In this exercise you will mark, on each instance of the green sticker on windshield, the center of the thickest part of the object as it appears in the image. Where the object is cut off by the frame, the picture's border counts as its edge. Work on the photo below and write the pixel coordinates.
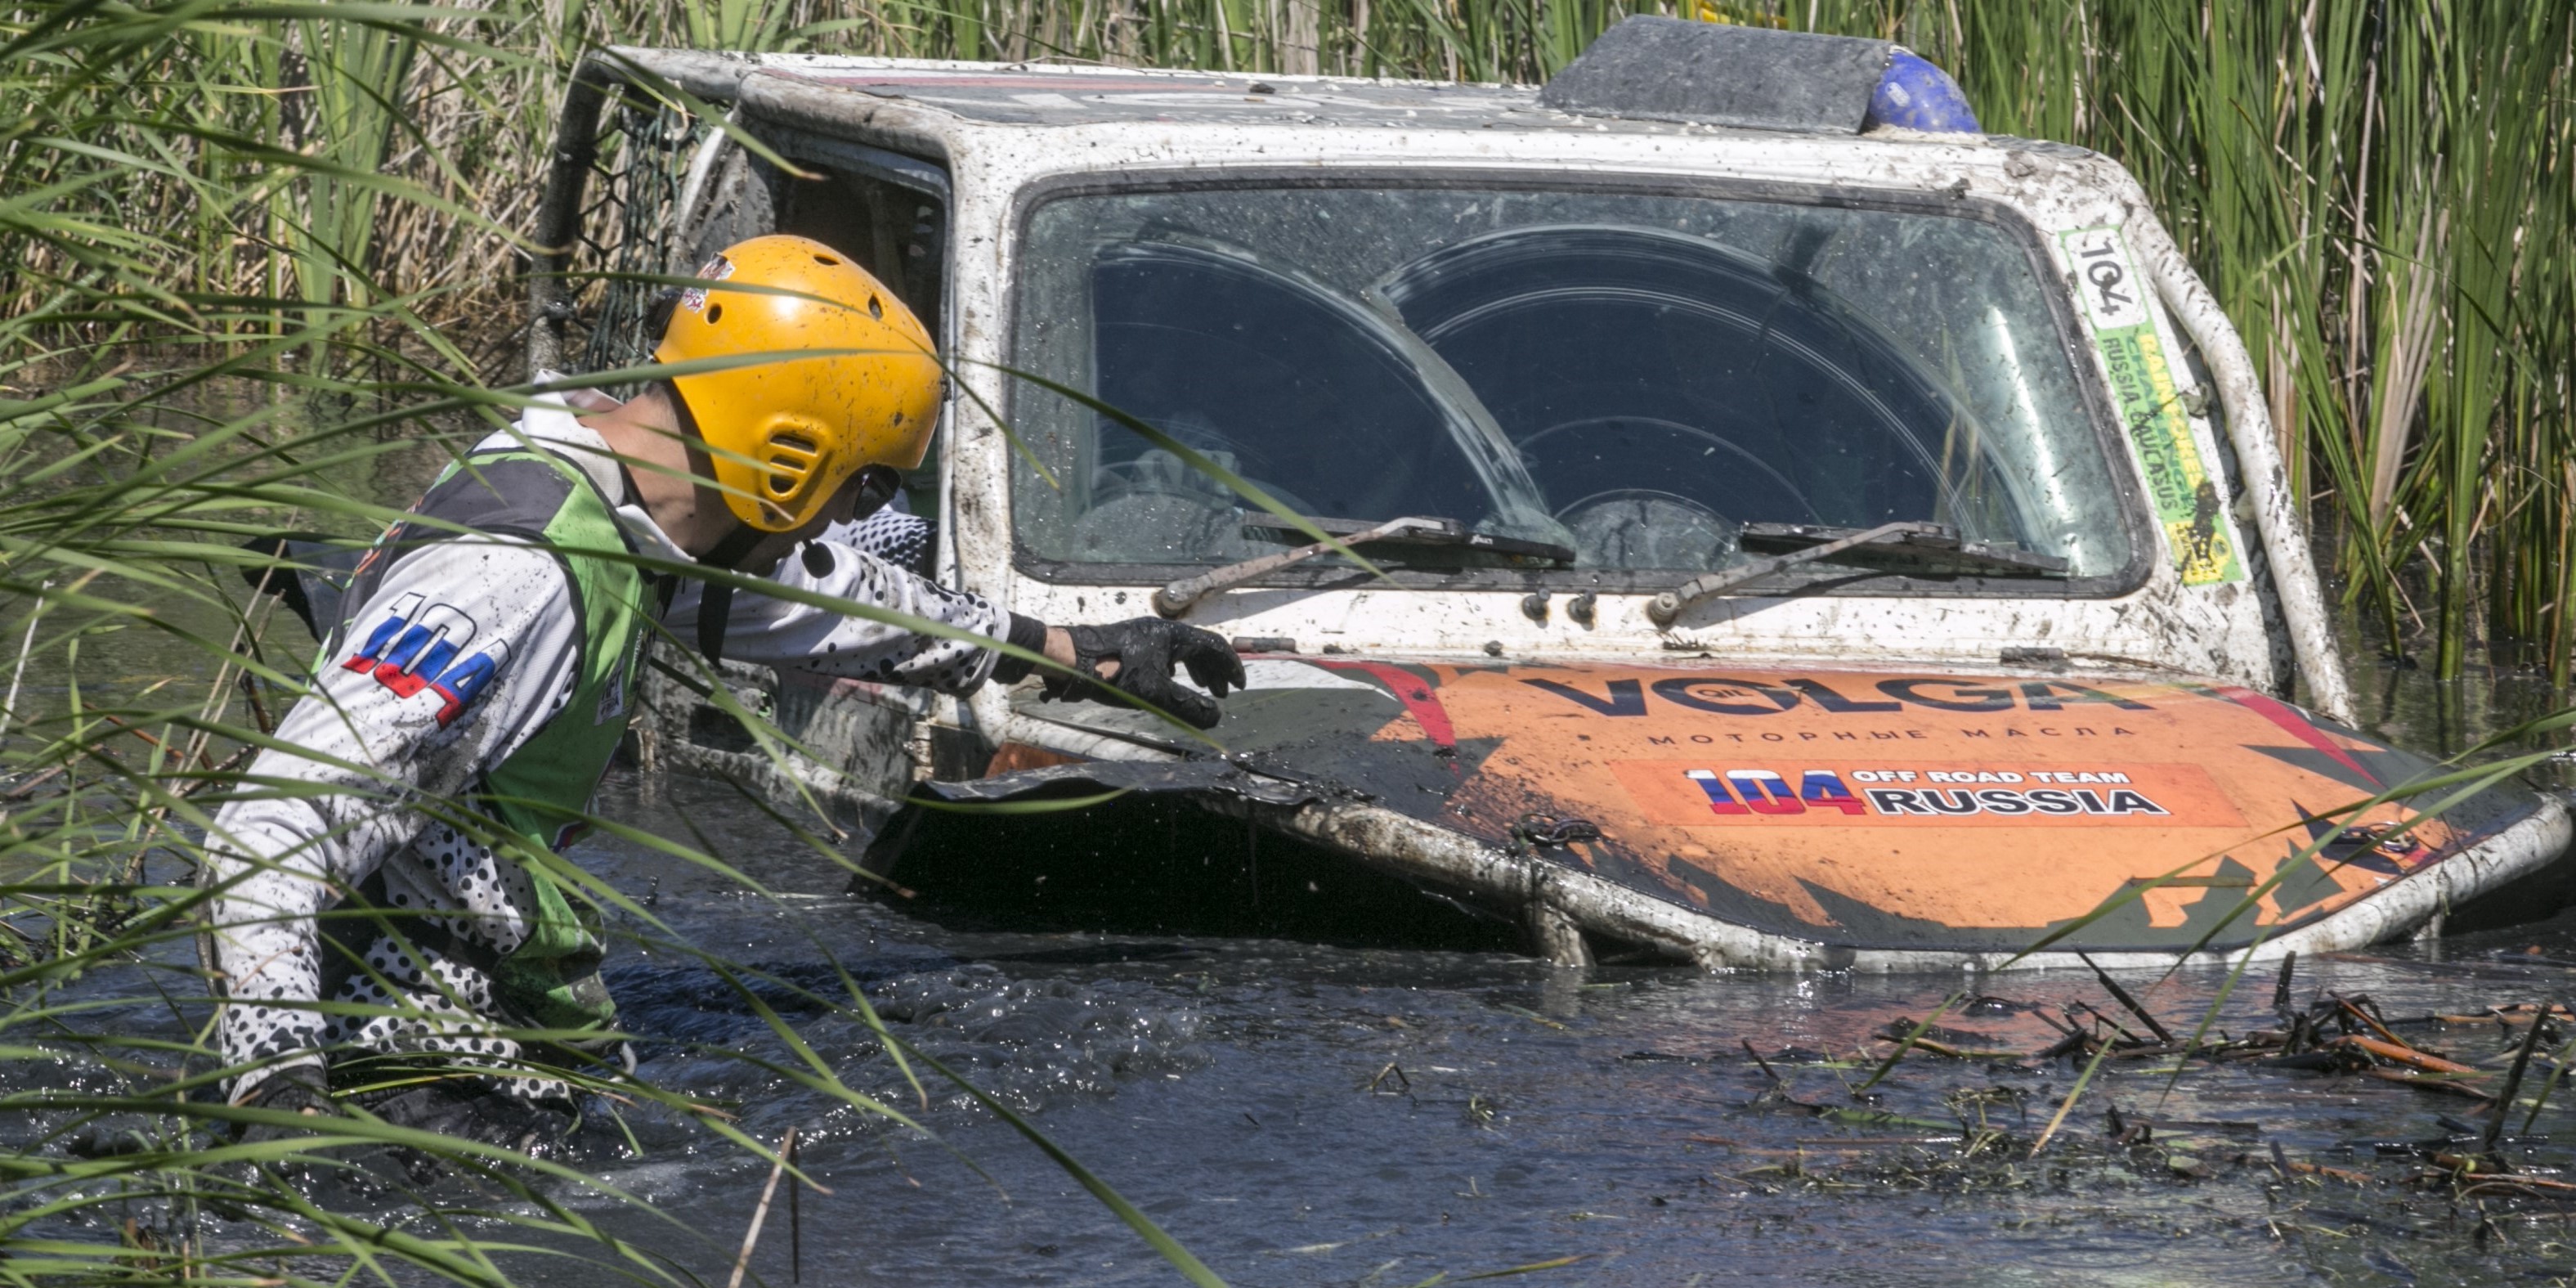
(2186, 495)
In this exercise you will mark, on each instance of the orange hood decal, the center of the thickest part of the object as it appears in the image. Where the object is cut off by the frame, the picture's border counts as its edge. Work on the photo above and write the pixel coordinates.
(1874, 809)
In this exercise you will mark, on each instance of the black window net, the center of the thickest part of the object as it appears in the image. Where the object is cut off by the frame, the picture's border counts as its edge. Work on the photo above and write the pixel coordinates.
(597, 316)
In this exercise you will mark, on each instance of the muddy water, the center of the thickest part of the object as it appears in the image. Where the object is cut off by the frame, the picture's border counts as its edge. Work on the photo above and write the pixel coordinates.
(1308, 1115)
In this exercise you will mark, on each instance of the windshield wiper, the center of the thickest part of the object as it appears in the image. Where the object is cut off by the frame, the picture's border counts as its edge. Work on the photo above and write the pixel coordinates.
(1922, 549)
(1437, 532)
(1176, 598)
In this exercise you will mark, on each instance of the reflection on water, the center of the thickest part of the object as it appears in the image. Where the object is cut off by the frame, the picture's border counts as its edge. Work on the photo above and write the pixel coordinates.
(2407, 706)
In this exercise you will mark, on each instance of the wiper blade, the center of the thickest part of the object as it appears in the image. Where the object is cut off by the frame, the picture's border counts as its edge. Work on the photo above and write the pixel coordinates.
(1937, 553)
(1176, 598)
(1925, 549)
(1428, 532)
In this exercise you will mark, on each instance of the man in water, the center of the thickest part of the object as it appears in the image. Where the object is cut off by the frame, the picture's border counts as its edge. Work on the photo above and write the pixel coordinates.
(474, 689)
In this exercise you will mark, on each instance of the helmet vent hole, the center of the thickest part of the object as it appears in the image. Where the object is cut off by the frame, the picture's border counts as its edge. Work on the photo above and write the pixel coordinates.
(827, 261)
(715, 313)
(875, 309)
(781, 484)
(792, 442)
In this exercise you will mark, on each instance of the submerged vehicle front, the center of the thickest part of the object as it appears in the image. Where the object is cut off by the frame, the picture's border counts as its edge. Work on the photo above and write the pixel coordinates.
(1758, 542)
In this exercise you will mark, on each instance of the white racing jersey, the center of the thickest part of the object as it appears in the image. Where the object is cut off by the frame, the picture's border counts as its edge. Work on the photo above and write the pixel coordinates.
(372, 746)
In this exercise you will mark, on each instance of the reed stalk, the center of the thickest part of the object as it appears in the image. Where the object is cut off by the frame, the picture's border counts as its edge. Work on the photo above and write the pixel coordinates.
(223, 325)
(259, 249)
(2377, 193)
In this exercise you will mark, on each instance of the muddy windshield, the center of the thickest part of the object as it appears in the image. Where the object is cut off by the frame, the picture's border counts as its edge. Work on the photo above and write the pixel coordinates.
(1631, 376)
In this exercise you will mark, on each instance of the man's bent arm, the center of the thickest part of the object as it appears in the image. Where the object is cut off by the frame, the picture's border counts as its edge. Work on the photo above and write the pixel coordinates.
(460, 655)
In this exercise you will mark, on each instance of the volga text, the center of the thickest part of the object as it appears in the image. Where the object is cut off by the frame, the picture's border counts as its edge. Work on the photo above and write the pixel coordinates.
(1727, 696)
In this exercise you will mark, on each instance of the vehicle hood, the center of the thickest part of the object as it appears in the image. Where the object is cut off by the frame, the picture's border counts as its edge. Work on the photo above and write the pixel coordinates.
(1861, 808)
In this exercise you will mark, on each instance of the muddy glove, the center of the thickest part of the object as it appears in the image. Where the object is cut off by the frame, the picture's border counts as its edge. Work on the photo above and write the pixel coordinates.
(298, 1089)
(467, 1111)
(1148, 650)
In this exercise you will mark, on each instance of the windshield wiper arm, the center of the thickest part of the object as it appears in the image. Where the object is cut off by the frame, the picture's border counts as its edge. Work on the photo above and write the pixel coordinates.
(1176, 598)
(1438, 532)
(1933, 548)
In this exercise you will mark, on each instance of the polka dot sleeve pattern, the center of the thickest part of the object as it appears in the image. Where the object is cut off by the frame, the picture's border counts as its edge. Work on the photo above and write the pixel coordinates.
(781, 632)
(902, 539)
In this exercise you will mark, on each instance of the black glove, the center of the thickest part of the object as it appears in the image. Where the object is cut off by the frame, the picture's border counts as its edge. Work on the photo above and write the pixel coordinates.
(1148, 649)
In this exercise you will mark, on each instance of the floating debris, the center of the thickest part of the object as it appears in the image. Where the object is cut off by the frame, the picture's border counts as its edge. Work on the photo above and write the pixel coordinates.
(2335, 1040)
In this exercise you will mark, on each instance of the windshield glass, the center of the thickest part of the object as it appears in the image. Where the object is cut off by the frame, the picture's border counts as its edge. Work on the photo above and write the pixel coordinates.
(1633, 376)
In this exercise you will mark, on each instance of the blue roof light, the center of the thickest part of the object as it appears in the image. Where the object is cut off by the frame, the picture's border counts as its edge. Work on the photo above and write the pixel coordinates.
(1916, 95)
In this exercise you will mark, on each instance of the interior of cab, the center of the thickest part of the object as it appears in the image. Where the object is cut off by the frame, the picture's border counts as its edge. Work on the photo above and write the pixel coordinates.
(1321, 401)
(1748, 392)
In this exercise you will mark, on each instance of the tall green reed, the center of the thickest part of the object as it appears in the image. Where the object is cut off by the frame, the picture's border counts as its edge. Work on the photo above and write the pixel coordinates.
(2375, 192)
(210, 206)
(219, 211)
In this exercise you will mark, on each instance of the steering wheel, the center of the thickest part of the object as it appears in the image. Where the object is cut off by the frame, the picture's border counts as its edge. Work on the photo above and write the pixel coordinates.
(1692, 460)
(1640, 527)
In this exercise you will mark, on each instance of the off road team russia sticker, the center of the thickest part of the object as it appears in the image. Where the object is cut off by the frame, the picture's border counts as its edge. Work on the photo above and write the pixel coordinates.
(2186, 494)
(1687, 794)
(420, 647)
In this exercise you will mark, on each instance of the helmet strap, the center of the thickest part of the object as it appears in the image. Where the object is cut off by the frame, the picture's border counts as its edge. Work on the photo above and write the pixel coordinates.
(715, 598)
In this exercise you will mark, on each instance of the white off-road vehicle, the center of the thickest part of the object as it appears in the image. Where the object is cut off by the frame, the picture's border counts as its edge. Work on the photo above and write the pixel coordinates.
(1791, 538)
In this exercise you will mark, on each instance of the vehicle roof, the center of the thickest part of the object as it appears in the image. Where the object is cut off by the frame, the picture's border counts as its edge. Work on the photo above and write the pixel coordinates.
(1050, 95)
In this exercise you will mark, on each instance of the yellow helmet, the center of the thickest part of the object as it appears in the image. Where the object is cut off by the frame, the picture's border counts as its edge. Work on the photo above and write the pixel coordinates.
(787, 434)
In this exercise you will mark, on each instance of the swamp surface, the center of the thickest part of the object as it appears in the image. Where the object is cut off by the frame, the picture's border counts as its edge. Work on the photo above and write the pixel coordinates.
(1301, 1114)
